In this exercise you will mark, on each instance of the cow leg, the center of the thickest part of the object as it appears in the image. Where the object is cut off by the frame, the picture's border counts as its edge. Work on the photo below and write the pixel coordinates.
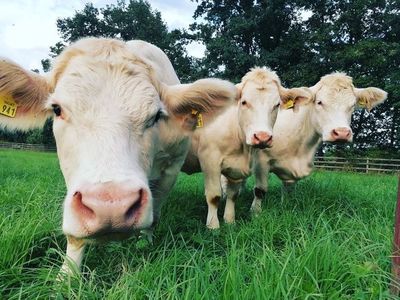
(224, 183)
(288, 186)
(261, 172)
(73, 260)
(213, 196)
(232, 192)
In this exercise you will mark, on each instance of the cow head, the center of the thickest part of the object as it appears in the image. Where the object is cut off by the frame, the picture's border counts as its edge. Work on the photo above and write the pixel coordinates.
(335, 99)
(107, 106)
(261, 94)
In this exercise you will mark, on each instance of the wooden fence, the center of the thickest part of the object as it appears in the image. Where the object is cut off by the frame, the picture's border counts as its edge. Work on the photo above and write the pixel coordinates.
(364, 164)
(23, 146)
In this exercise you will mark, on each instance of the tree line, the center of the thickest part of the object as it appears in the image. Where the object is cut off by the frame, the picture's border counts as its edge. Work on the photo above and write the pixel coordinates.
(302, 40)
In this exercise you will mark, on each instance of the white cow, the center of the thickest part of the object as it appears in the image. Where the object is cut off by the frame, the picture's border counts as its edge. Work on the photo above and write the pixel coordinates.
(228, 144)
(297, 135)
(122, 124)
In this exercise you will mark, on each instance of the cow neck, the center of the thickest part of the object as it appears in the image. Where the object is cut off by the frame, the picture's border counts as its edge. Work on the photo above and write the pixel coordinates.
(305, 137)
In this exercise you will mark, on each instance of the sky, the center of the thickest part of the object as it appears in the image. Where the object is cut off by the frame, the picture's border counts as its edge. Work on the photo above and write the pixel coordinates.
(28, 27)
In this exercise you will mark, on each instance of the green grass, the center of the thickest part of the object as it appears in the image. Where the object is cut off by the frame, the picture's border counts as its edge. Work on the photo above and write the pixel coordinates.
(331, 240)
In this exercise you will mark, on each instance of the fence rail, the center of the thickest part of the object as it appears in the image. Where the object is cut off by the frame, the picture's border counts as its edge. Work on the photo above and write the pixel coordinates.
(23, 146)
(364, 164)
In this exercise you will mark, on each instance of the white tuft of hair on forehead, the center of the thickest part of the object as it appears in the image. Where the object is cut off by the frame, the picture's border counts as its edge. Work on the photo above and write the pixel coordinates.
(337, 80)
(261, 76)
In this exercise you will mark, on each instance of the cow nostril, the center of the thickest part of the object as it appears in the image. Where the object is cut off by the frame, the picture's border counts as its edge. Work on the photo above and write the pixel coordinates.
(256, 137)
(135, 207)
(80, 206)
(335, 133)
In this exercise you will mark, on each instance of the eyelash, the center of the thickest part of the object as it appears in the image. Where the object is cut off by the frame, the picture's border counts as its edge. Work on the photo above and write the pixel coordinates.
(158, 116)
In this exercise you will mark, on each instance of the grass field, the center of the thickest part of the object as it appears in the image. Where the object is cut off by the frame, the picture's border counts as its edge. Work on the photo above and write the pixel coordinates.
(332, 240)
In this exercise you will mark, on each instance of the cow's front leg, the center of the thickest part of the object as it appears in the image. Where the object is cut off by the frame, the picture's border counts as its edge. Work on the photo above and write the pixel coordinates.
(261, 172)
(73, 259)
(232, 192)
(213, 196)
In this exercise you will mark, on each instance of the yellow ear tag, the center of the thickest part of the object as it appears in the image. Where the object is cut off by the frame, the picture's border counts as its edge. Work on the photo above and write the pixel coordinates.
(289, 104)
(8, 107)
(199, 123)
(362, 102)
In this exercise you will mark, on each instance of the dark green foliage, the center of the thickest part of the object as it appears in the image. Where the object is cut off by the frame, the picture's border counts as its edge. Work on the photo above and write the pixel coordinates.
(130, 20)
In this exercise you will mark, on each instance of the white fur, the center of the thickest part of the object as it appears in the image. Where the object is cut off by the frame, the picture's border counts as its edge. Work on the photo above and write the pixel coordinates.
(109, 93)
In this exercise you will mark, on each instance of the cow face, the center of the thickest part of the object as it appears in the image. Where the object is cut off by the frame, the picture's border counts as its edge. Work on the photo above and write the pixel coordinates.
(261, 94)
(335, 100)
(107, 106)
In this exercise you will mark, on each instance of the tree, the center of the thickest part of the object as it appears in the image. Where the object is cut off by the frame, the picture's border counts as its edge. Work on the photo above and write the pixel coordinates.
(126, 20)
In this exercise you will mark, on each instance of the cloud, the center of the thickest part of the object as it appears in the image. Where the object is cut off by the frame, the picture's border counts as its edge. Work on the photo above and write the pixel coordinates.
(28, 27)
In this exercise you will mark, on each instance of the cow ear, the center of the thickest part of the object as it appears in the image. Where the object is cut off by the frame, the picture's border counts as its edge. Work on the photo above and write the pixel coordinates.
(239, 88)
(26, 93)
(369, 97)
(202, 99)
(293, 98)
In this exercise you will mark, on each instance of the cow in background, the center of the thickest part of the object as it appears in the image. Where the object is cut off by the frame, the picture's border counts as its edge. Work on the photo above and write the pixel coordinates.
(228, 145)
(299, 132)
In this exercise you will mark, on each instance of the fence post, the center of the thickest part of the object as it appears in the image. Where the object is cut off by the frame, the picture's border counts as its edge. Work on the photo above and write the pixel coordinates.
(367, 167)
(395, 286)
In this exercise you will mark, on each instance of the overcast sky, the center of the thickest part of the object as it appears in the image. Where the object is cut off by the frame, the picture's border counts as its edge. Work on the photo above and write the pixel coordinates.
(28, 27)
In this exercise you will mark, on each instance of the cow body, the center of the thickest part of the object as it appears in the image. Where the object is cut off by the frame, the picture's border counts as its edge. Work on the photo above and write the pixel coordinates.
(298, 134)
(227, 146)
(122, 124)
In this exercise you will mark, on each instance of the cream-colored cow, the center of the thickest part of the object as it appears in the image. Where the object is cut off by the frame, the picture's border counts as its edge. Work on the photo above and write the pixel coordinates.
(297, 135)
(227, 146)
(122, 124)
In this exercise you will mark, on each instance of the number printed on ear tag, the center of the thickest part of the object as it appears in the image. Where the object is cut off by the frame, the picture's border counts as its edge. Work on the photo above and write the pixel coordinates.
(8, 107)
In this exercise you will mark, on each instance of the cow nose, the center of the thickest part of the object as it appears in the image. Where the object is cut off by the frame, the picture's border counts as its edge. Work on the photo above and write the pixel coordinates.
(261, 139)
(341, 134)
(109, 207)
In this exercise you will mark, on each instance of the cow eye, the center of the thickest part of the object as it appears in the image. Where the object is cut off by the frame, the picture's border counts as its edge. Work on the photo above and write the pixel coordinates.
(56, 109)
(157, 117)
(244, 102)
(319, 102)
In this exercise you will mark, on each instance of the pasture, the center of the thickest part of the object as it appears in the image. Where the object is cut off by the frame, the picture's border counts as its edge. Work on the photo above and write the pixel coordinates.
(331, 240)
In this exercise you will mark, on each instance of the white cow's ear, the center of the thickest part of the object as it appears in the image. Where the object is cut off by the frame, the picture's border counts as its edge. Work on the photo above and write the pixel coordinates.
(239, 88)
(292, 98)
(204, 96)
(24, 91)
(369, 97)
